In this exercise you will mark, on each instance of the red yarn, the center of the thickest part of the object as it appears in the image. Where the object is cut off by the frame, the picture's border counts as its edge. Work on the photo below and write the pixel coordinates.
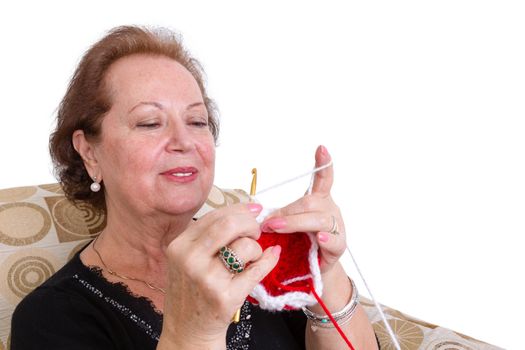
(293, 263)
(341, 333)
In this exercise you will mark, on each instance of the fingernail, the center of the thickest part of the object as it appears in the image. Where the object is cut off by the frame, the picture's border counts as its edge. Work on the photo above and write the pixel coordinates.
(324, 151)
(273, 224)
(276, 250)
(254, 207)
(323, 237)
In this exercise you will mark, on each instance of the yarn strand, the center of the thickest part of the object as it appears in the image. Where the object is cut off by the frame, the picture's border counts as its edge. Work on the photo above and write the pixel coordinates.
(376, 304)
(378, 307)
(295, 178)
(334, 322)
(310, 288)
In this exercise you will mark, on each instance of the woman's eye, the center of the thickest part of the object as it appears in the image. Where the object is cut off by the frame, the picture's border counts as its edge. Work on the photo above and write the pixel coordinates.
(199, 123)
(151, 125)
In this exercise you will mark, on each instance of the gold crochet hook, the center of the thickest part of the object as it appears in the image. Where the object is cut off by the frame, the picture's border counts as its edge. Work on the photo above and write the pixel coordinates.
(253, 189)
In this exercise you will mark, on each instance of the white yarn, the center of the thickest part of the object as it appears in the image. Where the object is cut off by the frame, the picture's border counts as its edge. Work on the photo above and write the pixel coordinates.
(311, 172)
(378, 307)
(313, 261)
(296, 279)
(264, 212)
(277, 303)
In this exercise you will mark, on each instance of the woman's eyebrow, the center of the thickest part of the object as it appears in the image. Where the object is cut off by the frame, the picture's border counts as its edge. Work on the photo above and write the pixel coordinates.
(196, 104)
(148, 103)
(161, 107)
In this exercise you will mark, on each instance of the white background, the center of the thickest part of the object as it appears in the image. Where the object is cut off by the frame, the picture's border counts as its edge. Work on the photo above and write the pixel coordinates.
(420, 103)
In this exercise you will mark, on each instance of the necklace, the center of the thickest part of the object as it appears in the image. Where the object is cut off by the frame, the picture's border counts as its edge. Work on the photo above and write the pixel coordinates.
(113, 273)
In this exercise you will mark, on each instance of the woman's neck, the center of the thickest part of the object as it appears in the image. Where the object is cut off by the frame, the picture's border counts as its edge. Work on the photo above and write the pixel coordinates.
(136, 244)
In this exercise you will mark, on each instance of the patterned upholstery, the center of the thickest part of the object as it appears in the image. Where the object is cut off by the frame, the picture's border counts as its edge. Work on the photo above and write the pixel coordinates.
(40, 230)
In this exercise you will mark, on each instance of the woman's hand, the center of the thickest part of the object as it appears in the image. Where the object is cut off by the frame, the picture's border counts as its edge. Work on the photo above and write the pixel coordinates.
(202, 294)
(314, 212)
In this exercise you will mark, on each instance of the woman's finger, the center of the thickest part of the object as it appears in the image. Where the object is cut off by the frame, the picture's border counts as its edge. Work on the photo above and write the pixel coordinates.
(242, 251)
(329, 228)
(303, 222)
(331, 247)
(225, 230)
(247, 249)
(305, 204)
(244, 282)
(218, 216)
(323, 179)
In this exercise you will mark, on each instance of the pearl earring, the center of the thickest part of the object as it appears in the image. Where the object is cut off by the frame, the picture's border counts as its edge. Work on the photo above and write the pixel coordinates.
(95, 186)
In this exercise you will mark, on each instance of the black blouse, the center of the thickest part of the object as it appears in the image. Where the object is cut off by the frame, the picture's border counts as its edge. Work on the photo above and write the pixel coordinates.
(77, 308)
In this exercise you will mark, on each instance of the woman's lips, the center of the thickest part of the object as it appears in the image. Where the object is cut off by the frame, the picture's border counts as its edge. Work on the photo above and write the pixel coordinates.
(181, 174)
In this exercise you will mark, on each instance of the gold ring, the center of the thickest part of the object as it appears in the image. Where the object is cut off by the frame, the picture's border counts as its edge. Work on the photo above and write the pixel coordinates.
(335, 229)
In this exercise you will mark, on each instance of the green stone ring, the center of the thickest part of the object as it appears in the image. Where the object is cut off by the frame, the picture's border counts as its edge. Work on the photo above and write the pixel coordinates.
(232, 262)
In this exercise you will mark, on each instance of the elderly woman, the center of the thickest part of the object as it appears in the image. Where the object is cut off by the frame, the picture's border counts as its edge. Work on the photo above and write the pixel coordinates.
(135, 138)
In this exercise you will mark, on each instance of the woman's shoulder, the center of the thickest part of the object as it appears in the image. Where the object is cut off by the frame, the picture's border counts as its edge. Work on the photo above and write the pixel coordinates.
(61, 282)
(57, 294)
(62, 314)
(77, 308)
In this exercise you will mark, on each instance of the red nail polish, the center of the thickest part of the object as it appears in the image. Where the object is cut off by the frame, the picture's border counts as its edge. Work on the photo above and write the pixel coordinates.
(254, 207)
(276, 250)
(323, 236)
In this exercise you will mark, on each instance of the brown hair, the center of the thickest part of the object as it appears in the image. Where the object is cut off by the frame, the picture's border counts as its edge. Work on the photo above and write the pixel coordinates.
(87, 100)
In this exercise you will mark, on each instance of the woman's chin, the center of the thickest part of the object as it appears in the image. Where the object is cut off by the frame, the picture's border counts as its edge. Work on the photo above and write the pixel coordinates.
(181, 201)
(190, 207)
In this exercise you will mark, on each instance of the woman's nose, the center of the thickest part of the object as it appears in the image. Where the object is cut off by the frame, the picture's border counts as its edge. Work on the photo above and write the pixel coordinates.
(180, 139)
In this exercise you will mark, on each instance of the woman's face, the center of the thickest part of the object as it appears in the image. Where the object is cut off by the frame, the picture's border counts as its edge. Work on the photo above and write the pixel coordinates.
(156, 152)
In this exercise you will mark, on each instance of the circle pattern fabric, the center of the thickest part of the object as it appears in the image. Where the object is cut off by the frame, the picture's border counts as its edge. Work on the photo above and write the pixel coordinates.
(24, 271)
(448, 345)
(23, 223)
(408, 335)
(216, 198)
(78, 221)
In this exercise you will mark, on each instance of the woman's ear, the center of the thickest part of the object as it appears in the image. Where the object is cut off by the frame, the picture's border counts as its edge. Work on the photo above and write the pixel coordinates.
(87, 153)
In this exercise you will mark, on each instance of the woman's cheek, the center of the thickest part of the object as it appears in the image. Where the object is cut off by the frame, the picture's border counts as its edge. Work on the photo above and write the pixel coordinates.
(207, 151)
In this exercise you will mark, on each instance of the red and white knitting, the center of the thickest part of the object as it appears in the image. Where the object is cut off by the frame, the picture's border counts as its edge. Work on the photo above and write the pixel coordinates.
(296, 280)
(288, 286)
